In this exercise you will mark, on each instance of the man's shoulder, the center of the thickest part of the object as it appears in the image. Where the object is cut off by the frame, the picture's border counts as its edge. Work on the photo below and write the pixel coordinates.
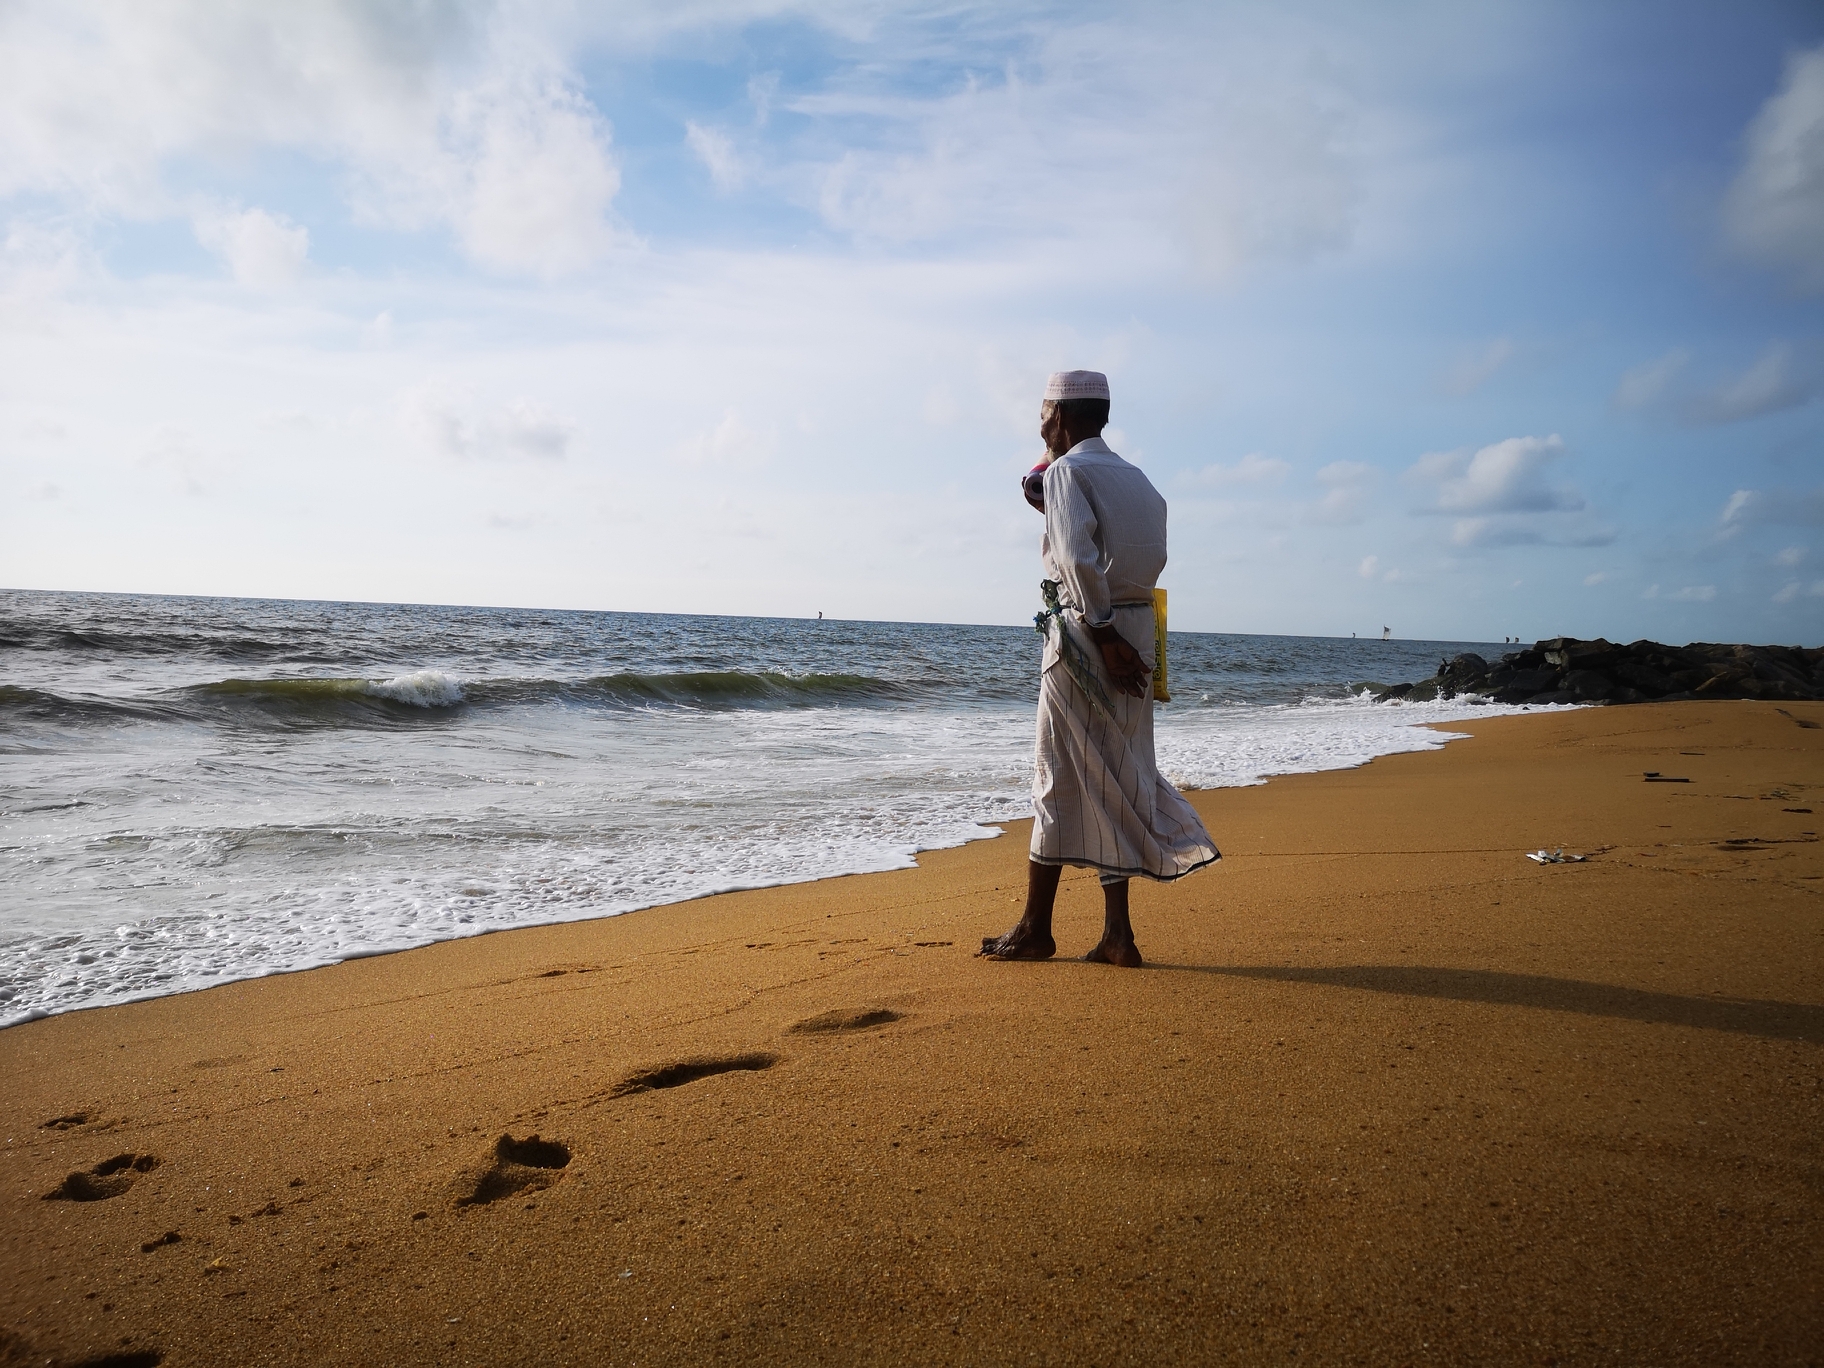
(1094, 455)
(1101, 467)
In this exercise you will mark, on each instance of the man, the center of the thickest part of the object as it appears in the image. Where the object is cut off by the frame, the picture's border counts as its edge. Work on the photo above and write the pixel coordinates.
(1097, 796)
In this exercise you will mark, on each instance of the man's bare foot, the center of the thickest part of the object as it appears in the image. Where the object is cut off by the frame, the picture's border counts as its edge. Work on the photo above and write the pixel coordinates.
(1021, 943)
(1122, 952)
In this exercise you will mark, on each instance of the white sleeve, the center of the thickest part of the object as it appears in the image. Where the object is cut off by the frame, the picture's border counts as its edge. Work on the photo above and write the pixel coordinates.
(1070, 529)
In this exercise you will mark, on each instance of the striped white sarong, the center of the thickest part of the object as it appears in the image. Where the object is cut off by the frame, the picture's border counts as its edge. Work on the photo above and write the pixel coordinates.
(1098, 798)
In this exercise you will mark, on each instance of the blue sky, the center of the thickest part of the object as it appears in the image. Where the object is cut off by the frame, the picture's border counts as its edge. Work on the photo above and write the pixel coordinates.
(1467, 320)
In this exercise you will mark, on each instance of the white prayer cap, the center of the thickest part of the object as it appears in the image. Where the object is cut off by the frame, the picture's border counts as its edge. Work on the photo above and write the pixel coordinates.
(1076, 385)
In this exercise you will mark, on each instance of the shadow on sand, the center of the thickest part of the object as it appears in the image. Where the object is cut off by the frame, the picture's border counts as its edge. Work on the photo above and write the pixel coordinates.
(1748, 1016)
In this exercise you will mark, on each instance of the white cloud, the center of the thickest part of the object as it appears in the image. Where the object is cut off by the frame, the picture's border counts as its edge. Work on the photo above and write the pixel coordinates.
(1694, 593)
(1787, 507)
(1741, 506)
(1340, 473)
(175, 455)
(716, 150)
(762, 94)
(1276, 181)
(1252, 469)
(1647, 383)
(1790, 557)
(1505, 477)
(1475, 368)
(434, 114)
(1591, 581)
(446, 422)
(41, 259)
(260, 249)
(1472, 532)
(525, 429)
(731, 443)
(1370, 569)
(1346, 486)
(1794, 588)
(1783, 376)
(1485, 532)
(1774, 211)
(1251, 155)
(533, 178)
(1503, 498)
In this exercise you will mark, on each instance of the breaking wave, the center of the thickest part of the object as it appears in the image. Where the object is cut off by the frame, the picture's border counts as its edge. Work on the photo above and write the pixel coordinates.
(427, 695)
(419, 689)
(701, 689)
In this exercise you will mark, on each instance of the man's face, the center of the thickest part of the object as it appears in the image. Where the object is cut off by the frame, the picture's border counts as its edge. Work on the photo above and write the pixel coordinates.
(1051, 428)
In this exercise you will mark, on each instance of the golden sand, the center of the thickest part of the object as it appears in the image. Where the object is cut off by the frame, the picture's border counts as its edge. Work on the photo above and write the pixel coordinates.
(1386, 1093)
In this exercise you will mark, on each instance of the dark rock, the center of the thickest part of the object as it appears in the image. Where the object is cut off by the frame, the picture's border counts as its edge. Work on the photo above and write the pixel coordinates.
(1538, 681)
(1772, 670)
(1570, 654)
(1570, 670)
(1512, 695)
(1592, 686)
(1724, 684)
(1466, 673)
(1643, 678)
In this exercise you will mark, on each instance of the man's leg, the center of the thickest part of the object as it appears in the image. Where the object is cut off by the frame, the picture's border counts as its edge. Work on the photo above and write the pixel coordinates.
(1117, 943)
(1030, 938)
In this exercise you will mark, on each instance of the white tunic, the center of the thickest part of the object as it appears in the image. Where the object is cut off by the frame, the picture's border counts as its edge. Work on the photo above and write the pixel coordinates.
(1097, 796)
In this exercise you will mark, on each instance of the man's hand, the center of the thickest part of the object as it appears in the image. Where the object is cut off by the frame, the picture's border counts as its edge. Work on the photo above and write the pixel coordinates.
(1126, 669)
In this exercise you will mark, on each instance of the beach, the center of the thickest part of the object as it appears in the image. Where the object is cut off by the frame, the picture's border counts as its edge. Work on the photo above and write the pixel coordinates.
(1387, 1092)
(202, 790)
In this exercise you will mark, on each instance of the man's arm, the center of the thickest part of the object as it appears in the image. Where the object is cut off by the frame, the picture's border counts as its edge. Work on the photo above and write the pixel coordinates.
(1127, 669)
(1070, 529)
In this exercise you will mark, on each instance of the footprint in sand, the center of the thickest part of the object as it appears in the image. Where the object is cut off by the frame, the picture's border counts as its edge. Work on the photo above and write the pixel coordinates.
(513, 1166)
(109, 1178)
(689, 1071)
(844, 1019)
(70, 1122)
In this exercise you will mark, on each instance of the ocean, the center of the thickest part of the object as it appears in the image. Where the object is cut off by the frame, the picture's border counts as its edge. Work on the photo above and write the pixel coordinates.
(198, 790)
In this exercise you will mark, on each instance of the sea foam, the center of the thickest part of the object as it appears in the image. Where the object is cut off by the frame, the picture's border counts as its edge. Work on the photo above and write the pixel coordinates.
(387, 776)
(421, 688)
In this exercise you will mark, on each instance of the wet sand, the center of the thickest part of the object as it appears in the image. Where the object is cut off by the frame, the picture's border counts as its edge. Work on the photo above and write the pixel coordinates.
(1387, 1093)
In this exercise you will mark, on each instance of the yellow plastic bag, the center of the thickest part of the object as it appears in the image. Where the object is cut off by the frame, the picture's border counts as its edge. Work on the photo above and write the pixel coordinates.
(1162, 692)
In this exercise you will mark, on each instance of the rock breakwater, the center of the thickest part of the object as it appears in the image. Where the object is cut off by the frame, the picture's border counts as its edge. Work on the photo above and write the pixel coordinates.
(1567, 670)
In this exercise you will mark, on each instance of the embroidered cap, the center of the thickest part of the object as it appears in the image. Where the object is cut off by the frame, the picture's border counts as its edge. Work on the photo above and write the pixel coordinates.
(1077, 385)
